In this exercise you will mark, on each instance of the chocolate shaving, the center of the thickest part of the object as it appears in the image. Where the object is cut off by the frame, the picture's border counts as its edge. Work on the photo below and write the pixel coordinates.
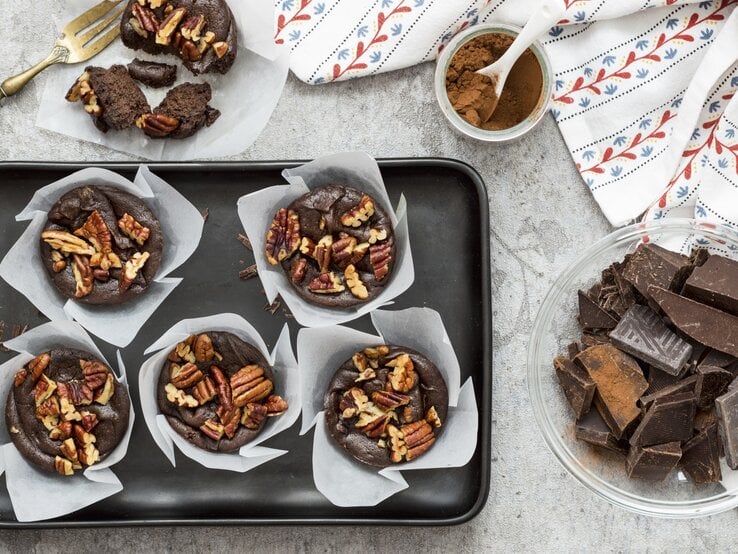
(274, 306)
(245, 241)
(249, 273)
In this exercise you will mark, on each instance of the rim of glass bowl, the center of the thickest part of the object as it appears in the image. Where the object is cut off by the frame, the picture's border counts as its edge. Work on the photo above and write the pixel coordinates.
(562, 285)
(459, 123)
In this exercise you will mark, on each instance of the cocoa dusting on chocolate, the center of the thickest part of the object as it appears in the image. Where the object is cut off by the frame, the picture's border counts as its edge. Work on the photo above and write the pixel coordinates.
(472, 95)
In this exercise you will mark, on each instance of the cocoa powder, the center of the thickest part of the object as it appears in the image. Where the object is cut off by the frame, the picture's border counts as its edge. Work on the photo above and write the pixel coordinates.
(472, 95)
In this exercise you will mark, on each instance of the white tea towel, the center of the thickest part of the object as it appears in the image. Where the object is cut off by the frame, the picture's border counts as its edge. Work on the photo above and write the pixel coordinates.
(622, 69)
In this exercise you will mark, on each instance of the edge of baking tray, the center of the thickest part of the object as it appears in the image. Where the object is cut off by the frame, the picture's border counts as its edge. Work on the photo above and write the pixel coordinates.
(486, 419)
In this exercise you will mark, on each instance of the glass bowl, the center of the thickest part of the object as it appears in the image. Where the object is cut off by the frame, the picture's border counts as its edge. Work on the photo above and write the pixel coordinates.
(458, 122)
(555, 327)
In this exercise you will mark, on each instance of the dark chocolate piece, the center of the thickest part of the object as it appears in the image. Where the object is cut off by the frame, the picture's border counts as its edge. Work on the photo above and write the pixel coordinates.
(591, 339)
(385, 405)
(336, 245)
(188, 34)
(701, 457)
(110, 96)
(573, 350)
(726, 407)
(81, 402)
(653, 462)
(715, 283)
(652, 265)
(717, 359)
(643, 334)
(577, 385)
(685, 385)
(704, 418)
(153, 74)
(620, 383)
(217, 391)
(711, 327)
(591, 316)
(669, 419)
(101, 245)
(593, 429)
(658, 380)
(711, 383)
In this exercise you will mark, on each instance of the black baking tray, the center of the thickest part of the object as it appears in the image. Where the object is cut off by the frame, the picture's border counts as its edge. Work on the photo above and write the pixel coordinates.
(449, 231)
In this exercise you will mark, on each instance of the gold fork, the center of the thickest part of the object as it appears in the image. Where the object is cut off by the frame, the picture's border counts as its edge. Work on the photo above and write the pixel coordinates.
(74, 45)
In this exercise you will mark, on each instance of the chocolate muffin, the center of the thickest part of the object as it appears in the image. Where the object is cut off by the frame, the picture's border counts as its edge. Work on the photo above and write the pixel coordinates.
(201, 32)
(385, 405)
(216, 391)
(101, 245)
(110, 96)
(66, 411)
(153, 74)
(182, 113)
(336, 244)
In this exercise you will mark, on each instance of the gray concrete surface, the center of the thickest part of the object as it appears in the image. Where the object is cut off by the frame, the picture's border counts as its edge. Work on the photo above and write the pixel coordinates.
(541, 215)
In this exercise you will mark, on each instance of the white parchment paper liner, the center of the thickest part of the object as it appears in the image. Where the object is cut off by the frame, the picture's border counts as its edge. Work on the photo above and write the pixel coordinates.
(246, 95)
(343, 480)
(35, 494)
(287, 385)
(23, 269)
(355, 169)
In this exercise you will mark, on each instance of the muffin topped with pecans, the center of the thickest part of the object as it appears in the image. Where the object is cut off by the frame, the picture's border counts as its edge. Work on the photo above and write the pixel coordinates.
(66, 411)
(216, 390)
(385, 405)
(336, 244)
(101, 245)
(202, 33)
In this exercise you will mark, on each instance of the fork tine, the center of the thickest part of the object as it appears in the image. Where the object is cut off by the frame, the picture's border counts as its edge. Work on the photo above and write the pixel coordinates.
(89, 35)
(102, 42)
(89, 17)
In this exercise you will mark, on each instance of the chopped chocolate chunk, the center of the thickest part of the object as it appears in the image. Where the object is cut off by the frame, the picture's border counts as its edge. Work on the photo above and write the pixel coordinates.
(153, 74)
(727, 412)
(653, 462)
(593, 429)
(685, 385)
(591, 316)
(248, 273)
(644, 335)
(704, 418)
(668, 419)
(577, 384)
(715, 284)
(701, 456)
(589, 339)
(711, 327)
(711, 383)
(658, 380)
(572, 349)
(652, 265)
(717, 359)
(620, 383)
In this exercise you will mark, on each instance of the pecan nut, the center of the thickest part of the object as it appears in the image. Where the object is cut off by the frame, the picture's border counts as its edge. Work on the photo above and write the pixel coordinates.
(403, 376)
(62, 431)
(83, 276)
(221, 48)
(39, 364)
(418, 437)
(380, 256)
(204, 351)
(354, 283)
(359, 214)
(432, 417)
(104, 395)
(388, 400)
(95, 373)
(63, 466)
(352, 402)
(377, 235)
(146, 18)
(326, 283)
(185, 376)
(342, 250)
(69, 451)
(157, 125)
(131, 269)
(189, 51)
(223, 388)
(213, 429)
(43, 390)
(67, 242)
(88, 454)
(59, 264)
(254, 416)
(298, 270)
(20, 377)
(250, 385)
(322, 253)
(89, 420)
(205, 390)
(167, 28)
(96, 232)
(283, 237)
(192, 27)
(135, 231)
(179, 397)
(276, 405)
(230, 420)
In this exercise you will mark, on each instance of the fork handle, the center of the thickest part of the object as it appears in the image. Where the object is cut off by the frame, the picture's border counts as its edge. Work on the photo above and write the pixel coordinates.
(12, 85)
